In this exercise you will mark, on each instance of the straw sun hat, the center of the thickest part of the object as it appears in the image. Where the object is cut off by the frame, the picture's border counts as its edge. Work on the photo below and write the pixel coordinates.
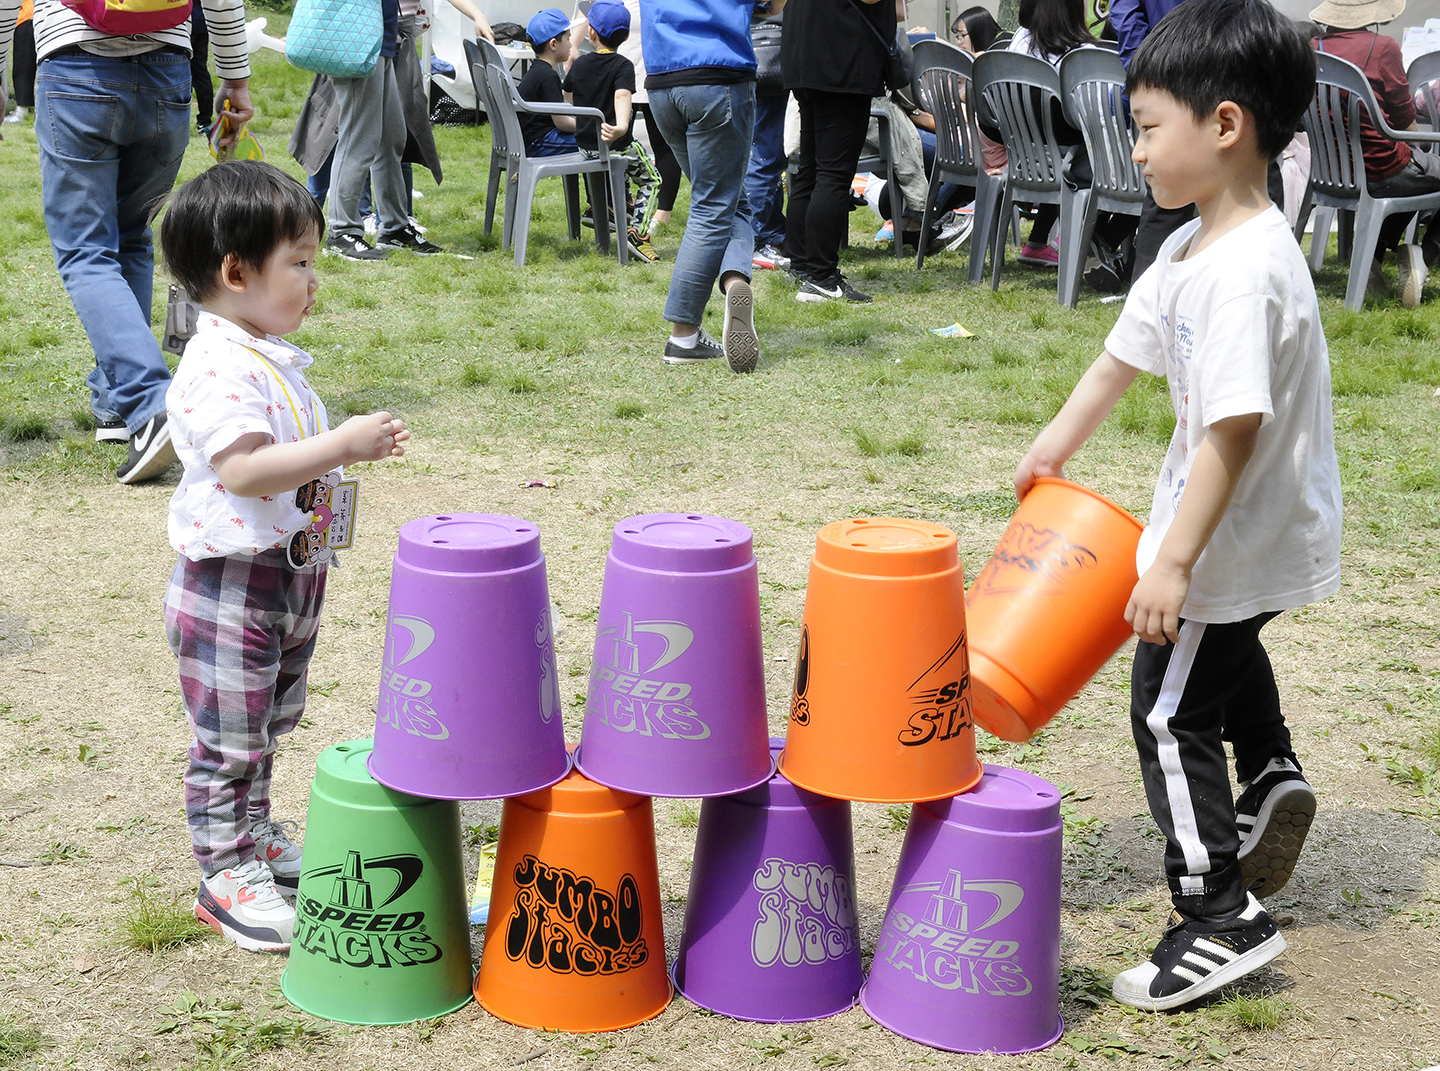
(1354, 14)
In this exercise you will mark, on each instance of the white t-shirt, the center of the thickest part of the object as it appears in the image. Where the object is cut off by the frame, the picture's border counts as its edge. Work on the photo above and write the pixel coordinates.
(1236, 330)
(220, 392)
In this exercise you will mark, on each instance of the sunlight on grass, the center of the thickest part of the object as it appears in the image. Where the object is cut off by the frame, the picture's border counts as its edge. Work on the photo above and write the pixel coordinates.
(18, 1042)
(151, 922)
(1255, 1013)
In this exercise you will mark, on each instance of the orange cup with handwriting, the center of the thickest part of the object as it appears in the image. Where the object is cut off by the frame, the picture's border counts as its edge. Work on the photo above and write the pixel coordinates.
(1048, 609)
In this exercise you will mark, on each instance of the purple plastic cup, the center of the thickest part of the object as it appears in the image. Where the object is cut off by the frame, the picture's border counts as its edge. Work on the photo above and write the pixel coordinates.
(969, 954)
(770, 932)
(676, 704)
(469, 700)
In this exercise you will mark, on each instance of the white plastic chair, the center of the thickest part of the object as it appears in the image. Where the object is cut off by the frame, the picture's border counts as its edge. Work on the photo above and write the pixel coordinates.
(523, 172)
(1092, 82)
(1337, 169)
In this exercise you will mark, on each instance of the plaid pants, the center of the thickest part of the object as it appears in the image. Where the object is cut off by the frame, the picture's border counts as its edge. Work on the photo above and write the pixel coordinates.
(243, 629)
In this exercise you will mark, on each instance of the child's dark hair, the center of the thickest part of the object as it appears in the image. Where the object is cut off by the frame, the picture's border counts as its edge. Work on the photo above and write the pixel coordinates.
(243, 207)
(615, 40)
(1208, 51)
(541, 46)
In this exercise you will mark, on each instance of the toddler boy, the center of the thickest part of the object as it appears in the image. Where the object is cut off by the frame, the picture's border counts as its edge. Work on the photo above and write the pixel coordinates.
(604, 79)
(1245, 521)
(547, 135)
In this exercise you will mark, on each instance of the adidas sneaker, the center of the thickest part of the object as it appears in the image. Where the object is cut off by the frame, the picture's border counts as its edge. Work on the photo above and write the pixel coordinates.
(1272, 816)
(1196, 957)
(274, 848)
(242, 905)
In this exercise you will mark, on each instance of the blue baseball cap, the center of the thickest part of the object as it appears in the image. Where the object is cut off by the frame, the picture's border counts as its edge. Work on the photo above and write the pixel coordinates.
(608, 16)
(547, 25)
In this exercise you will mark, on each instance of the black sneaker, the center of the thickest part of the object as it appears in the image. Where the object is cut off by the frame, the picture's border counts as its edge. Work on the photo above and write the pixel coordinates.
(353, 247)
(151, 452)
(111, 431)
(1197, 957)
(705, 349)
(1272, 816)
(738, 338)
(838, 289)
(640, 247)
(1105, 269)
(408, 238)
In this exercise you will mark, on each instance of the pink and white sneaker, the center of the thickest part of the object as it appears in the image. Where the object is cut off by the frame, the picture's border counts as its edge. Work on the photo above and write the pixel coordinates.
(1042, 256)
(274, 848)
(242, 905)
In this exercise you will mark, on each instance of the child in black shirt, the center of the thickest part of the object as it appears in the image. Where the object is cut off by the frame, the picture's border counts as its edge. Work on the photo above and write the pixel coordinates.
(547, 135)
(604, 79)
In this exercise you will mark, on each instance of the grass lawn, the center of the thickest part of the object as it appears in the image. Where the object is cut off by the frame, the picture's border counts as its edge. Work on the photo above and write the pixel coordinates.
(552, 372)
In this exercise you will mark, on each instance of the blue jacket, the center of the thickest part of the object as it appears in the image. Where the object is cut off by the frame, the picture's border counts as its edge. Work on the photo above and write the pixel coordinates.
(1133, 19)
(676, 35)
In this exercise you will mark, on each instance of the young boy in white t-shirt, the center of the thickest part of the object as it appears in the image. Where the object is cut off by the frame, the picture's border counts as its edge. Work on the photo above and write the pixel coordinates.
(255, 521)
(1246, 517)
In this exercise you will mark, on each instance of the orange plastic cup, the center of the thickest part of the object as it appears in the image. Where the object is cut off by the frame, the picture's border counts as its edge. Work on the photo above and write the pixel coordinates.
(881, 708)
(1048, 609)
(575, 940)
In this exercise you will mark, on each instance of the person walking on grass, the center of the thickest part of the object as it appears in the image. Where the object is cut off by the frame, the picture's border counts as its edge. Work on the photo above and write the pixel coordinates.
(112, 121)
(243, 607)
(701, 82)
(1246, 516)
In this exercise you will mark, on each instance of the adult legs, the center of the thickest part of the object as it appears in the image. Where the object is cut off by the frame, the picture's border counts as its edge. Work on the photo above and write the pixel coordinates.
(832, 134)
(372, 137)
(764, 190)
(710, 128)
(665, 163)
(111, 135)
(200, 83)
(25, 64)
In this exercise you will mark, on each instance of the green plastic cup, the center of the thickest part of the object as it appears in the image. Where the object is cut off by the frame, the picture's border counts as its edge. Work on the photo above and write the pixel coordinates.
(382, 931)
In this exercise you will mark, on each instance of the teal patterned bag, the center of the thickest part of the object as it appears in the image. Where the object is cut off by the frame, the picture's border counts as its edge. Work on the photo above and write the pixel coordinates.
(340, 38)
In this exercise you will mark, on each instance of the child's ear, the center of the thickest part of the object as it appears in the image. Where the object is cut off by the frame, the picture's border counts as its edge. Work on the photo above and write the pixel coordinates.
(1231, 123)
(234, 275)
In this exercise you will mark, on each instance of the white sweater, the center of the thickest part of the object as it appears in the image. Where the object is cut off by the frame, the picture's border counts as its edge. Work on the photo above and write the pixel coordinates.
(57, 27)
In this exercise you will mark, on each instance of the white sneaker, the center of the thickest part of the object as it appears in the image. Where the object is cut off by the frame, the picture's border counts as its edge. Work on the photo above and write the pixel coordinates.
(372, 224)
(243, 905)
(275, 849)
(1411, 261)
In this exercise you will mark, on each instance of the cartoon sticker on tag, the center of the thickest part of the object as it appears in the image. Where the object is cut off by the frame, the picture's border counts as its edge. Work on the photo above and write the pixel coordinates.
(331, 506)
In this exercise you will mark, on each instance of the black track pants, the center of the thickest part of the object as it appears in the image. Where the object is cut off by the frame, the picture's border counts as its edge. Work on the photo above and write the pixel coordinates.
(1186, 699)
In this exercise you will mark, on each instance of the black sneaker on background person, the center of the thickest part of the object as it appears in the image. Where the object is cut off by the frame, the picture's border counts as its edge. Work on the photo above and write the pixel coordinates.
(111, 431)
(838, 289)
(705, 349)
(353, 247)
(408, 238)
(1105, 269)
(1197, 956)
(151, 452)
(1272, 816)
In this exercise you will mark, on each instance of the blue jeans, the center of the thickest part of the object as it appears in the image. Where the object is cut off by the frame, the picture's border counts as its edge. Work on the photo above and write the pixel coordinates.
(763, 188)
(710, 128)
(112, 134)
(554, 143)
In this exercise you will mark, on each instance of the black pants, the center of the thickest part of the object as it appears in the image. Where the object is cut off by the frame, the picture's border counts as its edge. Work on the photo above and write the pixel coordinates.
(1186, 699)
(665, 162)
(200, 83)
(25, 64)
(832, 135)
(1157, 224)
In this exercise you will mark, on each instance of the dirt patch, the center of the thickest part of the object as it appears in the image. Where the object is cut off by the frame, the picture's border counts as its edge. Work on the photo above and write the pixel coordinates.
(92, 747)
